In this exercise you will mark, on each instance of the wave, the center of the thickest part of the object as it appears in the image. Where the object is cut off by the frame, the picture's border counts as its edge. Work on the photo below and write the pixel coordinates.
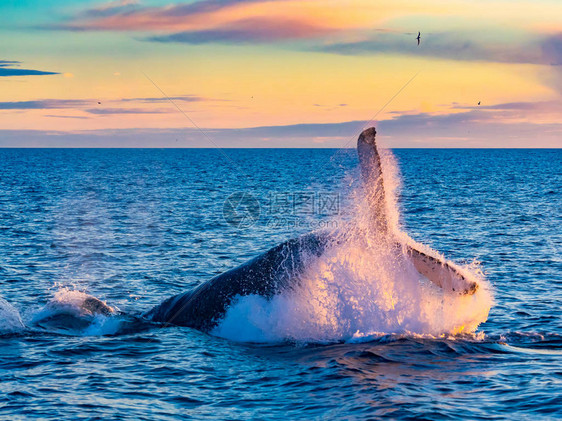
(77, 313)
(10, 319)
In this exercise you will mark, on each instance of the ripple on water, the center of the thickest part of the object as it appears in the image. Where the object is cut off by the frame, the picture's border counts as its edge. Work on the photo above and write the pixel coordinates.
(134, 226)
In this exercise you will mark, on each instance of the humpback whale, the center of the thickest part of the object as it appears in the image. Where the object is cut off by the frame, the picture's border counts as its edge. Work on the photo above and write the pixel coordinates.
(279, 268)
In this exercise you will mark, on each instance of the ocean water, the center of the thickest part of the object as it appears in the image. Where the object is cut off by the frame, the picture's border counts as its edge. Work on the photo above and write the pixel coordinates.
(132, 227)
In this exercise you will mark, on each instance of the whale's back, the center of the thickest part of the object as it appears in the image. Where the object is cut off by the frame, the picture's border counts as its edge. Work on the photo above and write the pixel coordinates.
(268, 274)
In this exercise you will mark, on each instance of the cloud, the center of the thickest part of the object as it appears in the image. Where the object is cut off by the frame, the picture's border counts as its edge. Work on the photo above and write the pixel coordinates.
(130, 16)
(494, 127)
(204, 6)
(552, 49)
(519, 106)
(266, 21)
(49, 104)
(7, 69)
(24, 72)
(456, 46)
(43, 104)
(109, 111)
(515, 112)
(9, 63)
(420, 130)
(121, 7)
(311, 130)
(67, 116)
(198, 22)
(417, 123)
(248, 30)
(184, 98)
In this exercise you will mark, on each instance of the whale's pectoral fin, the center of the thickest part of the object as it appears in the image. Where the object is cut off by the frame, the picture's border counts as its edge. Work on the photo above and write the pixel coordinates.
(371, 173)
(441, 273)
(436, 269)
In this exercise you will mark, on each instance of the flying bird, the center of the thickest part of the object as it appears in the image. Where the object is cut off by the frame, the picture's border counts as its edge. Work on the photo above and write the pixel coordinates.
(478, 102)
(419, 37)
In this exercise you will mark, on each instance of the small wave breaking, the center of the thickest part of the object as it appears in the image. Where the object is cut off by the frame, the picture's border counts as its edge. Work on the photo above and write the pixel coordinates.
(10, 319)
(77, 313)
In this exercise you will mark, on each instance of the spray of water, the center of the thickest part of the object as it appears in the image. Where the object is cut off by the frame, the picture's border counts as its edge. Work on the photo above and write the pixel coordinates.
(364, 286)
(10, 319)
(75, 312)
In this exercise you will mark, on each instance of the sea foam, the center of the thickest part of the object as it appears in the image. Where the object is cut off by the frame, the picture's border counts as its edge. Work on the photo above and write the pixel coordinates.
(10, 319)
(77, 313)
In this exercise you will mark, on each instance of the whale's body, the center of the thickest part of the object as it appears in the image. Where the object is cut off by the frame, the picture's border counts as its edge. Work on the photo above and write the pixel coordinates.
(279, 268)
(267, 275)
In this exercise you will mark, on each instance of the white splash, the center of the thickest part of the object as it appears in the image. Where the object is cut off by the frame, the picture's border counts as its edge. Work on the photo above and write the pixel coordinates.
(10, 319)
(362, 287)
(78, 313)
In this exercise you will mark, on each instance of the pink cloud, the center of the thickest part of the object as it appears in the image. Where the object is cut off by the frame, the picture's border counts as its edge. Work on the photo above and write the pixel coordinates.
(248, 30)
(199, 22)
(130, 16)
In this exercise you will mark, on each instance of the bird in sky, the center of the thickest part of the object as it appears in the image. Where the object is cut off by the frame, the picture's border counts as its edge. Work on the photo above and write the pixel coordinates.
(478, 102)
(419, 37)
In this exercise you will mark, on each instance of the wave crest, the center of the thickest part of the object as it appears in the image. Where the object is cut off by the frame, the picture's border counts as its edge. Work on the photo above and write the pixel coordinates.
(10, 319)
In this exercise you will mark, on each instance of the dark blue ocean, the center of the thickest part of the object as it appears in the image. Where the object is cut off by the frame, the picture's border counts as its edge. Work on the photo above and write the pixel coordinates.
(133, 227)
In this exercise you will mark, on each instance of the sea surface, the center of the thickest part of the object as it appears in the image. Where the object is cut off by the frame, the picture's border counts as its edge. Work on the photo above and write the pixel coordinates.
(133, 227)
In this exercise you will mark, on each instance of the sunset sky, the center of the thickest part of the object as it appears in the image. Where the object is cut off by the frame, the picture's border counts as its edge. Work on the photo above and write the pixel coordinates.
(280, 73)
